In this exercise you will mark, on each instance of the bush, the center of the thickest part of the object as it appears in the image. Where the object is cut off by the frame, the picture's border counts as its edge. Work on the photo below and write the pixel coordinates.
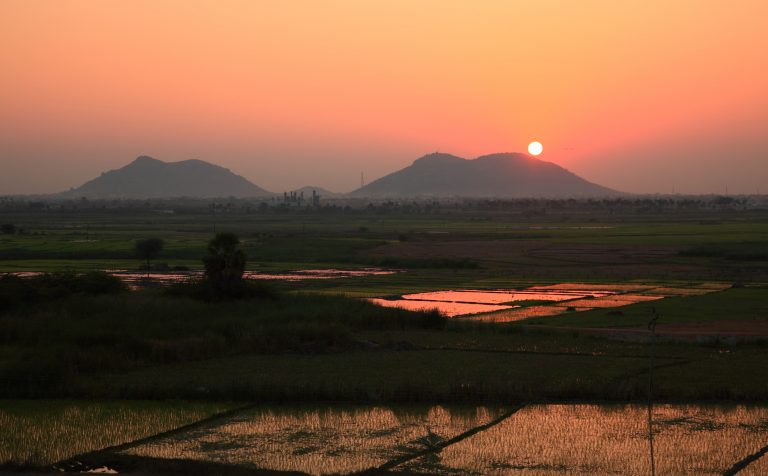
(205, 290)
(15, 290)
(68, 283)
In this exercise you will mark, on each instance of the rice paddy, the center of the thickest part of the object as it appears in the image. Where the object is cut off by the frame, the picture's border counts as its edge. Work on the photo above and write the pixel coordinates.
(511, 305)
(547, 275)
(42, 432)
(534, 440)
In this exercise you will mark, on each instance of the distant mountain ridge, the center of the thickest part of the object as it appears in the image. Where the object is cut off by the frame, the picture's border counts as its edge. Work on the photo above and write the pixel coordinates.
(504, 175)
(147, 177)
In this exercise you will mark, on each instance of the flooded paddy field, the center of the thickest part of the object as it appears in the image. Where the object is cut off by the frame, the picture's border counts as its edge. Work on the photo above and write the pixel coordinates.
(447, 308)
(529, 440)
(137, 280)
(510, 305)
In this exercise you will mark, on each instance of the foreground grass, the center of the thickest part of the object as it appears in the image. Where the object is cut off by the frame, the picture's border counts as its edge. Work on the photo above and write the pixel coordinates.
(42, 432)
(47, 347)
(388, 376)
(466, 366)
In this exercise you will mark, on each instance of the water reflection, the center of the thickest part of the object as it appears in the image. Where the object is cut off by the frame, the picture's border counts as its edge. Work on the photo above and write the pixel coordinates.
(611, 288)
(450, 309)
(610, 301)
(519, 314)
(136, 280)
(537, 301)
(501, 296)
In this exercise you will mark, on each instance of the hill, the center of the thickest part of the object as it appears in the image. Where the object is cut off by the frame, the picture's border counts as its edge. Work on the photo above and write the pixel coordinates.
(495, 175)
(146, 177)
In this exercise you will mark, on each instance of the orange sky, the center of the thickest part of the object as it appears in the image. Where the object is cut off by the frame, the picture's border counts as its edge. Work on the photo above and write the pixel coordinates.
(640, 95)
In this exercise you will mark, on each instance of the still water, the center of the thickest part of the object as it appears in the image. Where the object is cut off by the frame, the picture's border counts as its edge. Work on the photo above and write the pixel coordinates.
(509, 305)
(138, 280)
(535, 440)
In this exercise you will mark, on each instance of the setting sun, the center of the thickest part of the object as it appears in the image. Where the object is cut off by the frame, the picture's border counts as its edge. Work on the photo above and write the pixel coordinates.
(535, 148)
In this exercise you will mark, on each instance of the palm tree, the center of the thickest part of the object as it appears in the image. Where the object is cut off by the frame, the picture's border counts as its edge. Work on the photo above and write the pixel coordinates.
(225, 263)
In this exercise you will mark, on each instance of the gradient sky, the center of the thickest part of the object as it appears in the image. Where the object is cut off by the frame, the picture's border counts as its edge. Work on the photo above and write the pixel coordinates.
(641, 96)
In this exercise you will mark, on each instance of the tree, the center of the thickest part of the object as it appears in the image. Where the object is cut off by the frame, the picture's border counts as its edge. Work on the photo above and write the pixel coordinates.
(225, 263)
(149, 249)
(8, 229)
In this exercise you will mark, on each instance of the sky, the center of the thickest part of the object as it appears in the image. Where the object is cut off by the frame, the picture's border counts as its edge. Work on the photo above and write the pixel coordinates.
(648, 96)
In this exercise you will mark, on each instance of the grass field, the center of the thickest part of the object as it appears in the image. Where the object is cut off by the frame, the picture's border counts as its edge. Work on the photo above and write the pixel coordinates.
(743, 304)
(311, 347)
(601, 244)
(315, 340)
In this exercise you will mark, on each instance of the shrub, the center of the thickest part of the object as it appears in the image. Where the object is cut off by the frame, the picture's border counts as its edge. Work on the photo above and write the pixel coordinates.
(205, 290)
(15, 290)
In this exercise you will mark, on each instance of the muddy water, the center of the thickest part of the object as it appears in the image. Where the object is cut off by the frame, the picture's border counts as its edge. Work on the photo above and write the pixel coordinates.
(536, 440)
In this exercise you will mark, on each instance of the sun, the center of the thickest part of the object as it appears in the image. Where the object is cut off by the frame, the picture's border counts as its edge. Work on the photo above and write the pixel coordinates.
(535, 148)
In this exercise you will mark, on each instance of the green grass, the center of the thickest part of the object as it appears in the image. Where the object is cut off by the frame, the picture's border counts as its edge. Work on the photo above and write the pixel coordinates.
(90, 239)
(48, 347)
(388, 376)
(469, 375)
(312, 343)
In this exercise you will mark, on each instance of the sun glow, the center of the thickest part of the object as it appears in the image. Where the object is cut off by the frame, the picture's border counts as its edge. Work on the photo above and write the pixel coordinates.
(535, 148)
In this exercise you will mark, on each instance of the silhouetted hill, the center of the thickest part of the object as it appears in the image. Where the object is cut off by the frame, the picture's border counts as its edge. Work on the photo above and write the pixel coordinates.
(146, 177)
(495, 175)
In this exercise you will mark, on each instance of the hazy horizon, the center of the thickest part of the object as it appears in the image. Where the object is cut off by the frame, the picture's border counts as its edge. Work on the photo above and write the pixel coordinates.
(646, 97)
